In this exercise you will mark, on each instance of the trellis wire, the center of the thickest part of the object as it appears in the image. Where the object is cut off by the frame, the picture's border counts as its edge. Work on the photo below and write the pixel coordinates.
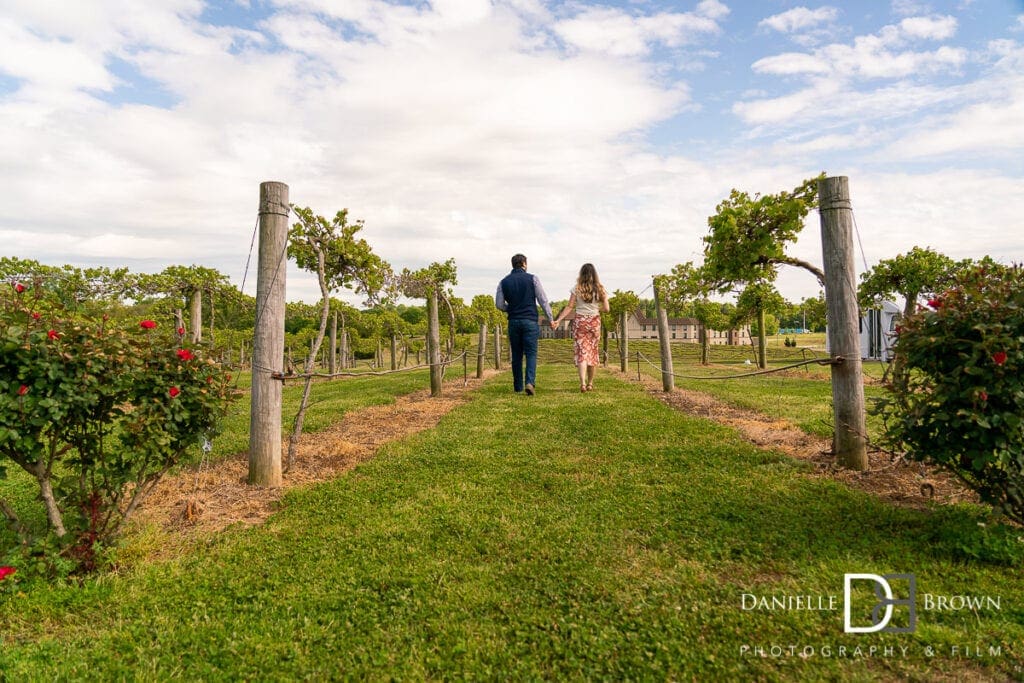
(816, 361)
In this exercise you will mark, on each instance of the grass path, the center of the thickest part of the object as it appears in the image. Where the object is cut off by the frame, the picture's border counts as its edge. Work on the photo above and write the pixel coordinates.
(602, 536)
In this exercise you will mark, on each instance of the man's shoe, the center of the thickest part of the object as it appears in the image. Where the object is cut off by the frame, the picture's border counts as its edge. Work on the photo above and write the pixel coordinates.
(529, 390)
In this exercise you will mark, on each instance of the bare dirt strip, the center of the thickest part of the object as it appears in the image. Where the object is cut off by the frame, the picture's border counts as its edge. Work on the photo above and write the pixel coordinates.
(217, 495)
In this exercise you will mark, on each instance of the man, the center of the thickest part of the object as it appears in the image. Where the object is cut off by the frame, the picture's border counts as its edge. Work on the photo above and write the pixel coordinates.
(518, 295)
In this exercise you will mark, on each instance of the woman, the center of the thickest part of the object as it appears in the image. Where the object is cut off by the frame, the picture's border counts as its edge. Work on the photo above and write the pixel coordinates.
(588, 298)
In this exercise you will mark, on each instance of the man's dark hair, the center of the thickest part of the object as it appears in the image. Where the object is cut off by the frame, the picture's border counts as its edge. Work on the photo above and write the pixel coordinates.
(518, 261)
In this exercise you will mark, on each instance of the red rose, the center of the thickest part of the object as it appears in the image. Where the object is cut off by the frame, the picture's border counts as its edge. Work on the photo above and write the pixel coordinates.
(6, 571)
(22, 390)
(983, 395)
(53, 334)
(185, 354)
(181, 331)
(899, 328)
(935, 303)
(173, 391)
(18, 287)
(36, 316)
(999, 357)
(147, 324)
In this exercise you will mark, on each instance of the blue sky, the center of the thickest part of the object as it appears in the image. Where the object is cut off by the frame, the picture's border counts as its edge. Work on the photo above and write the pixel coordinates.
(137, 132)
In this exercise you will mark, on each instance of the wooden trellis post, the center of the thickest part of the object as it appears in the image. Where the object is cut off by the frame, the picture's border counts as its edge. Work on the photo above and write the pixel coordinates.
(434, 344)
(332, 357)
(623, 342)
(196, 311)
(481, 350)
(850, 441)
(268, 340)
(497, 347)
(667, 380)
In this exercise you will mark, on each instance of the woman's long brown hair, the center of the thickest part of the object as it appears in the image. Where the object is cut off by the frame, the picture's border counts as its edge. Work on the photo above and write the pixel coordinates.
(588, 286)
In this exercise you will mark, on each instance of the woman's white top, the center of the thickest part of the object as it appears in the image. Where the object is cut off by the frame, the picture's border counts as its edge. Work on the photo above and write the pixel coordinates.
(586, 308)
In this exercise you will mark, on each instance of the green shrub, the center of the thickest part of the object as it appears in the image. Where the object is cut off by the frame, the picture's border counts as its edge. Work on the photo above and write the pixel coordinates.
(957, 400)
(96, 413)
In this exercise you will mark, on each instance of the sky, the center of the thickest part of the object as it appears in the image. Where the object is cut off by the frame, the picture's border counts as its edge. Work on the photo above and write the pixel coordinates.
(136, 132)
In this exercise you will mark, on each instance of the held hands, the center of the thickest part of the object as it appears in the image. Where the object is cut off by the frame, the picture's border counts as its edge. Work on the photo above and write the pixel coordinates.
(554, 324)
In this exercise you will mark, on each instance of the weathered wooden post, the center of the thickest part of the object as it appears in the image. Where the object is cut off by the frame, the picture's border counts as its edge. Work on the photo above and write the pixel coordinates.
(434, 343)
(332, 358)
(850, 440)
(196, 314)
(481, 350)
(268, 340)
(623, 342)
(762, 350)
(497, 347)
(667, 381)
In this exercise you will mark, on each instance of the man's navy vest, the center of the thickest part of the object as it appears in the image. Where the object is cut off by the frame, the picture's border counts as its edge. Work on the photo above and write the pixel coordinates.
(520, 294)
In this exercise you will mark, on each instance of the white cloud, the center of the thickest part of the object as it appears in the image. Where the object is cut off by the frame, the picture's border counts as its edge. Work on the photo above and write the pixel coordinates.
(791, 63)
(906, 8)
(840, 99)
(929, 28)
(991, 120)
(800, 18)
(50, 62)
(618, 33)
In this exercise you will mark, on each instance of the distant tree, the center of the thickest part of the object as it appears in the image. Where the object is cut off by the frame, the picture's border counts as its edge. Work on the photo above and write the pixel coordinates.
(812, 311)
(747, 241)
(687, 288)
(483, 311)
(83, 290)
(916, 274)
(432, 283)
(755, 303)
(412, 314)
(340, 259)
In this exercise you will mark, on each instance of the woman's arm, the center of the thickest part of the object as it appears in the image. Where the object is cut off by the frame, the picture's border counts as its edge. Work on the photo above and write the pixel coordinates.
(565, 311)
(605, 306)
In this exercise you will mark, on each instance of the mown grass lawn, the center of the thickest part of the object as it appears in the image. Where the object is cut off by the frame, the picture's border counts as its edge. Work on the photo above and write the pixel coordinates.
(567, 536)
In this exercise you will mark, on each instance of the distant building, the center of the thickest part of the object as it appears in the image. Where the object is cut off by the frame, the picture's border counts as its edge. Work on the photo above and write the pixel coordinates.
(640, 327)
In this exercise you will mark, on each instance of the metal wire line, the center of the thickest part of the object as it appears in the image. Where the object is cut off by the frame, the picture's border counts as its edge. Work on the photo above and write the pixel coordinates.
(818, 361)
(282, 377)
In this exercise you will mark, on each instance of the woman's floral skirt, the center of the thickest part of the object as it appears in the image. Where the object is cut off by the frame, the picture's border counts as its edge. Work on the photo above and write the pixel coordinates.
(586, 333)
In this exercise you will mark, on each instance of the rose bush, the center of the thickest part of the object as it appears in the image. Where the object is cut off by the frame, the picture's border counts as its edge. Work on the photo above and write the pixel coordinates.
(96, 413)
(959, 400)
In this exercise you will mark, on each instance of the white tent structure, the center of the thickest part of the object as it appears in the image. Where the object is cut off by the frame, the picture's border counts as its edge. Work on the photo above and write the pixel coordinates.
(877, 331)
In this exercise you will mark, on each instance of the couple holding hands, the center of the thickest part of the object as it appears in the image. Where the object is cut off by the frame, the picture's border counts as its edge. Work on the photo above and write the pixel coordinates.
(519, 293)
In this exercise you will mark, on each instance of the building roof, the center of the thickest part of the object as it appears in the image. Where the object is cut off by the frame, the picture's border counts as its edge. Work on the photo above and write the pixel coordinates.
(644, 320)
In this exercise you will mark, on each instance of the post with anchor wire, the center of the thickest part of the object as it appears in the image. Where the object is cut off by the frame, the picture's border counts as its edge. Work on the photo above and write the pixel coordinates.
(481, 350)
(667, 381)
(623, 342)
(836, 211)
(332, 356)
(268, 340)
(434, 343)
